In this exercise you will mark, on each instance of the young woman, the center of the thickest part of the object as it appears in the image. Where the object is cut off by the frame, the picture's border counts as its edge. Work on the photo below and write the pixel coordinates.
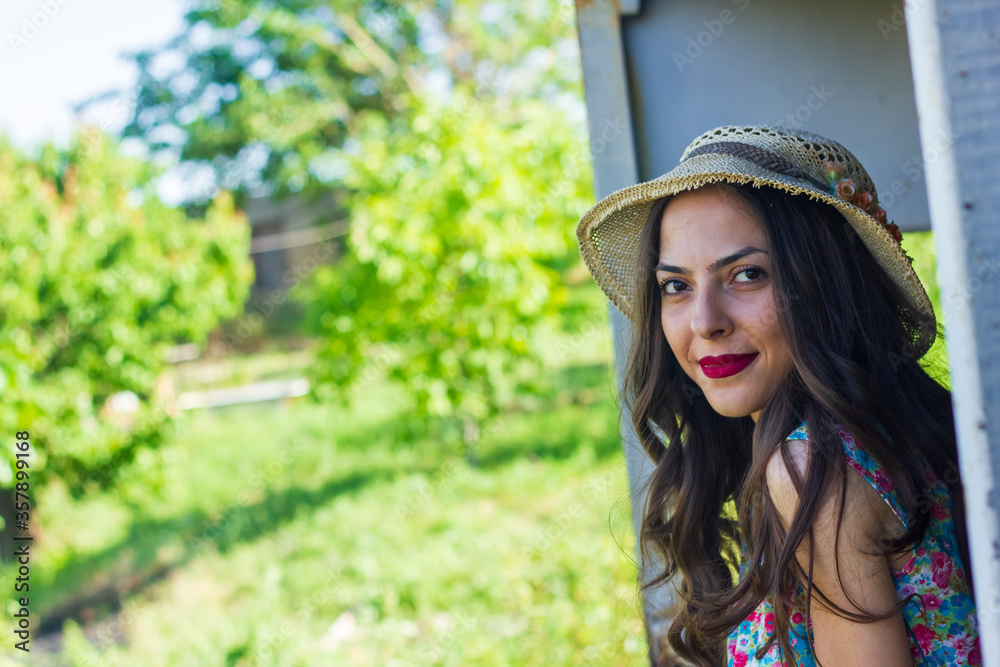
(806, 499)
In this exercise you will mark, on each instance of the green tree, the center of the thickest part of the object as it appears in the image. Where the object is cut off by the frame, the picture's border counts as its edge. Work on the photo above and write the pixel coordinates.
(449, 128)
(461, 238)
(99, 277)
(267, 91)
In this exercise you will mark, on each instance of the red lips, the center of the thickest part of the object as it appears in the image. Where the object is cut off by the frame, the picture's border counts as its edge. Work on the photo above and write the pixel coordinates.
(726, 364)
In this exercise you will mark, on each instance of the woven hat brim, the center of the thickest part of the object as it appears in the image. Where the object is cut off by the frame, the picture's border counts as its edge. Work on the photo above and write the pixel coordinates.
(608, 233)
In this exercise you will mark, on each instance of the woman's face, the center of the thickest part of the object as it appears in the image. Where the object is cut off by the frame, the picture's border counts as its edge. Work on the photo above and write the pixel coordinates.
(714, 273)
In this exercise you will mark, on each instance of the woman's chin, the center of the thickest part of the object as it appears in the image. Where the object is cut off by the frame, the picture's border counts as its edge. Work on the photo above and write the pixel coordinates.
(727, 407)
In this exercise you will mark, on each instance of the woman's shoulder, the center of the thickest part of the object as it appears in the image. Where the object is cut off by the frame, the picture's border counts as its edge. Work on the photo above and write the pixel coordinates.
(941, 617)
(860, 460)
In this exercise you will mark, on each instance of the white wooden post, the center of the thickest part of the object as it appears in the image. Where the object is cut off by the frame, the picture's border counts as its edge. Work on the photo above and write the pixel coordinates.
(955, 56)
(607, 101)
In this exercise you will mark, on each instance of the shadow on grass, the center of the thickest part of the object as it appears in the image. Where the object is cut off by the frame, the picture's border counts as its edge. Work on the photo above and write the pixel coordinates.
(589, 422)
(585, 419)
(137, 553)
(554, 441)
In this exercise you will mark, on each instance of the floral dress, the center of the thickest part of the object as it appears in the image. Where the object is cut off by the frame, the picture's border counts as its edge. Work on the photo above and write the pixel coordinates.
(941, 623)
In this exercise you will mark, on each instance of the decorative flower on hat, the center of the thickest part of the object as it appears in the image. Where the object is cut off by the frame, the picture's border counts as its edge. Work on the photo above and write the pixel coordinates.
(846, 189)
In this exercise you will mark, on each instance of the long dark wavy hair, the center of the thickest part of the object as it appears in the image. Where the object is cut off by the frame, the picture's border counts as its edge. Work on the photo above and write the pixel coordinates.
(850, 330)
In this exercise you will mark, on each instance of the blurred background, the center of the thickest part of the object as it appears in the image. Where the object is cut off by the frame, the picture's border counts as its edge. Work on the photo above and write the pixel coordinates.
(292, 308)
(294, 313)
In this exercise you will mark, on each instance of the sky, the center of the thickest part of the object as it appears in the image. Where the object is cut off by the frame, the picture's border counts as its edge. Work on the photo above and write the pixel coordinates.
(54, 53)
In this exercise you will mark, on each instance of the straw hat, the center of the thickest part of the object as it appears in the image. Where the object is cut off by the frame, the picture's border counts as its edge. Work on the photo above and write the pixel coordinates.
(795, 161)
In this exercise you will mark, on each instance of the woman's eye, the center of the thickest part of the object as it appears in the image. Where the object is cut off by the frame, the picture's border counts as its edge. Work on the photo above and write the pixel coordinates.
(755, 272)
(667, 283)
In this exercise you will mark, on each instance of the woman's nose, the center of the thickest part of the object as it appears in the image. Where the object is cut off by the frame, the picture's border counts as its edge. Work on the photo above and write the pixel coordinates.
(710, 318)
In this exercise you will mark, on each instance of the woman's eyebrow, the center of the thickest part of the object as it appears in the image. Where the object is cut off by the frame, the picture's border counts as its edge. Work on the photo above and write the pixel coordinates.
(717, 264)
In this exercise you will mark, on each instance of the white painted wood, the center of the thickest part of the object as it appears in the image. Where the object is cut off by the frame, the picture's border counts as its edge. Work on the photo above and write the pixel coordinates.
(841, 70)
(957, 83)
(628, 7)
(612, 149)
(297, 238)
(272, 390)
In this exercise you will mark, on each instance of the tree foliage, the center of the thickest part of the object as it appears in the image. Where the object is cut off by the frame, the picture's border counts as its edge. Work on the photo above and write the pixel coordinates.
(264, 93)
(461, 232)
(449, 127)
(98, 276)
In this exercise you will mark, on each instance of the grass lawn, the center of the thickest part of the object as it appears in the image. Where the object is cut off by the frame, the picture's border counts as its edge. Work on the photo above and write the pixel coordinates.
(301, 535)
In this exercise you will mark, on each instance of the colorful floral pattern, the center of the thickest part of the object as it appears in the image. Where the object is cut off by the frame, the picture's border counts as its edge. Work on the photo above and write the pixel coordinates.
(941, 623)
